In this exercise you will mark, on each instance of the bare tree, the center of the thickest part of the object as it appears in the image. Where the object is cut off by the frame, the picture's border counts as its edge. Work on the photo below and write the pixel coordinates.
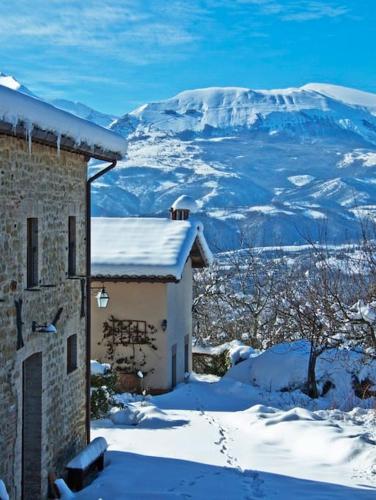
(236, 298)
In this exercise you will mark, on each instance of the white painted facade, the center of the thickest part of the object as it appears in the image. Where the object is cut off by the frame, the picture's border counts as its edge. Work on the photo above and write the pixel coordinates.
(152, 302)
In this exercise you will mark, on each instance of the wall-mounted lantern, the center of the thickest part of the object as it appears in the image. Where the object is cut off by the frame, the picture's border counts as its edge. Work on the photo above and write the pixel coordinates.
(45, 328)
(164, 324)
(102, 298)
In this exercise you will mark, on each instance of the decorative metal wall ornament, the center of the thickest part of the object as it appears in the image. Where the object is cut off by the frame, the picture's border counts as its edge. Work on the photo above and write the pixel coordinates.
(128, 331)
(131, 335)
(57, 316)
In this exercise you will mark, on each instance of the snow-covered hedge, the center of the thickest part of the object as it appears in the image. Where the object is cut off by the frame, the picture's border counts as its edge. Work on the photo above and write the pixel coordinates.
(218, 359)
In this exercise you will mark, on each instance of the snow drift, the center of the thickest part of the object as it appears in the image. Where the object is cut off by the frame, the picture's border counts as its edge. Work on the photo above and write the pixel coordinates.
(283, 368)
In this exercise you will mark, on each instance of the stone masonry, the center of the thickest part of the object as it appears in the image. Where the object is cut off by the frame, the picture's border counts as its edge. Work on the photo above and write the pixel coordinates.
(51, 187)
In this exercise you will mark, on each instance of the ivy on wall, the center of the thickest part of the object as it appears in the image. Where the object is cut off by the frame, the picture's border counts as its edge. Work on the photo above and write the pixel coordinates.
(127, 342)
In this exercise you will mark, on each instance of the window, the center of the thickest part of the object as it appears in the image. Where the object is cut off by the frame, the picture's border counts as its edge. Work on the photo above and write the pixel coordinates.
(71, 353)
(173, 366)
(32, 252)
(71, 246)
(186, 354)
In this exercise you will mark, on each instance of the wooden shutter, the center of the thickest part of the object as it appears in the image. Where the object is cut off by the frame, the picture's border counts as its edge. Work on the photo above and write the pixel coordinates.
(32, 252)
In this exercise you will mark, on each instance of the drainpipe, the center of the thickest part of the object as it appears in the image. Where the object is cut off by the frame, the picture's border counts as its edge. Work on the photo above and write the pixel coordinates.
(88, 287)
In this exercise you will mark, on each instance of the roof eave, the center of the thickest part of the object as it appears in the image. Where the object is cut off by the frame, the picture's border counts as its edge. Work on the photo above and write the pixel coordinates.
(48, 138)
(198, 255)
(135, 279)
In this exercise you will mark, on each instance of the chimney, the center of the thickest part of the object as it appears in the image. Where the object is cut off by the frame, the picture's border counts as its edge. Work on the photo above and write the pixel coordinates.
(182, 207)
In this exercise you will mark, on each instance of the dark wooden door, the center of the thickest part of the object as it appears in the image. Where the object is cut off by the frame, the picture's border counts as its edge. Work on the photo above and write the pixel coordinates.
(32, 427)
(173, 366)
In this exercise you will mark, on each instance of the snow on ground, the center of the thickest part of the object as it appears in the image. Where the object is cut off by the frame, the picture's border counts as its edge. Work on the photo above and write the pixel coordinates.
(367, 158)
(269, 209)
(229, 438)
(97, 368)
(300, 180)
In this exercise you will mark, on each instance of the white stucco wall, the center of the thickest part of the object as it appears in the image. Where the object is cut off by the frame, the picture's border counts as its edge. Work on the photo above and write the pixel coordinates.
(136, 301)
(151, 302)
(179, 320)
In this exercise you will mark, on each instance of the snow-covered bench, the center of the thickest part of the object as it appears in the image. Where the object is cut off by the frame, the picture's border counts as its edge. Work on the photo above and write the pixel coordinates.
(3, 491)
(89, 461)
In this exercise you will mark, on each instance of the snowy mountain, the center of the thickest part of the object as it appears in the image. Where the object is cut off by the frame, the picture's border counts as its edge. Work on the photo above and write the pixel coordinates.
(276, 165)
(75, 108)
(83, 111)
(12, 83)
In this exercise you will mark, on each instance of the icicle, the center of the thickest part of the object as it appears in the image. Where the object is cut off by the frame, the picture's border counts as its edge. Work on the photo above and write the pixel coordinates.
(58, 141)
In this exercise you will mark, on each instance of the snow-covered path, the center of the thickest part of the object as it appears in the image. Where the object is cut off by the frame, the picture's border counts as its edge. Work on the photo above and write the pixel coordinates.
(214, 441)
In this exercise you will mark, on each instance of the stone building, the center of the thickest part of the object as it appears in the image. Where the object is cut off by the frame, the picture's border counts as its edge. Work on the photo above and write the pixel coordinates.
(145, 267)
(43, 344)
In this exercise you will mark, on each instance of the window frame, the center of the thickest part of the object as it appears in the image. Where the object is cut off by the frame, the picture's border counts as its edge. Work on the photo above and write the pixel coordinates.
(72, 245)
(72, 353)
(32, 252)
(186, 354)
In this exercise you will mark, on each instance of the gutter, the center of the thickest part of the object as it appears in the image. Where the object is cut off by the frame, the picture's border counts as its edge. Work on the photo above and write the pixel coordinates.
(89, 182)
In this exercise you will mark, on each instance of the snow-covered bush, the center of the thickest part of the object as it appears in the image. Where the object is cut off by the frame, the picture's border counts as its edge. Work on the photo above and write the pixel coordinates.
(211, 363)
(217, 360)
(344, 377)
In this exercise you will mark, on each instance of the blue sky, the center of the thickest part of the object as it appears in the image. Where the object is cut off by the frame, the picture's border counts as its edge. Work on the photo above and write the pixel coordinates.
(115, 55)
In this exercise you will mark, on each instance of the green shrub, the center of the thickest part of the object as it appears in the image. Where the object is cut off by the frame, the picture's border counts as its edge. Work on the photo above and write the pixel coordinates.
(102, 394)
(211, 364)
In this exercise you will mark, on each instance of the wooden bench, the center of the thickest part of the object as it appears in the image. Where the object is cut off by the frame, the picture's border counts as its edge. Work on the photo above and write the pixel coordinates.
(86, 465)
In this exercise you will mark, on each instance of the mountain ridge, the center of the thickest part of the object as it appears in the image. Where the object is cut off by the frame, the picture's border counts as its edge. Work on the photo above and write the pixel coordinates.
(279, 165)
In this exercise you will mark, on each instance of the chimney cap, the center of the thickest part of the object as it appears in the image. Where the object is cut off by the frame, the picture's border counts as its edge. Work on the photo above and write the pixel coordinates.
(185, 202)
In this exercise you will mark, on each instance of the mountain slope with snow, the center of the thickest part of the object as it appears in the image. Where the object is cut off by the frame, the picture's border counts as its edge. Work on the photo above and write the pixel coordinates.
(236, 108)
(83, 111)
(76, 108)
(278, 165)
(12, 83)
(349, 96)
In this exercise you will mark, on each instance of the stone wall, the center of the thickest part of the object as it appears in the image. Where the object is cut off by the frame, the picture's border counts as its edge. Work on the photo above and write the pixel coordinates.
(50, 187)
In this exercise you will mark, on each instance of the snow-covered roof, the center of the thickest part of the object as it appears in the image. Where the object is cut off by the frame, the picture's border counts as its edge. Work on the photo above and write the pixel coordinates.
(185, 202)
(20, 112)
(146, 247)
